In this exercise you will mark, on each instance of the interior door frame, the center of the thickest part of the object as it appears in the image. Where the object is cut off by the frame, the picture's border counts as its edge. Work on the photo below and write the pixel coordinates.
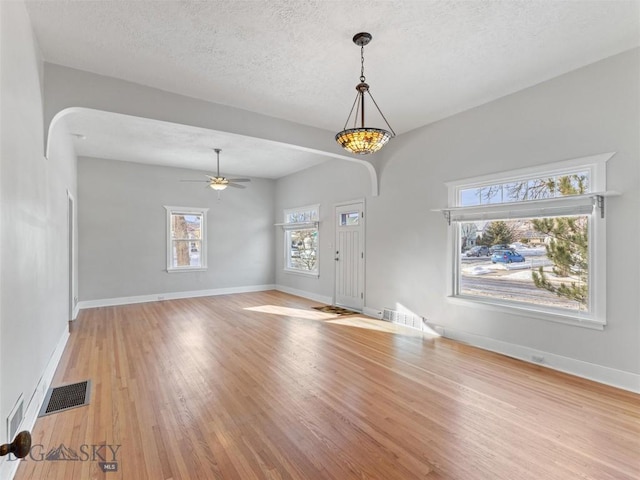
(71, 251)
(364, 246)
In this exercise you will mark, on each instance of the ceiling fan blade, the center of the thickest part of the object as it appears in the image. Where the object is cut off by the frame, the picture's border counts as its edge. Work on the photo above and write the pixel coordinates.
(239, 180)
(234, 185)
(208, 181)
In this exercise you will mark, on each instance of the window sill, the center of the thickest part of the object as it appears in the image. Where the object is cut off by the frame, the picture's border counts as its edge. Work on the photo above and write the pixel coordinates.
(575, 320)
(302, 272)
(184, 270)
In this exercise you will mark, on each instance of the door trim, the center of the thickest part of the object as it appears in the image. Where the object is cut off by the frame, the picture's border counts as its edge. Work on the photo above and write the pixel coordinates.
(364, 247)
(71, 252)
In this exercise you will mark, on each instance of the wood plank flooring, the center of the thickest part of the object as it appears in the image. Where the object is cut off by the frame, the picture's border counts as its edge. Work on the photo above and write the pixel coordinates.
(260, 386)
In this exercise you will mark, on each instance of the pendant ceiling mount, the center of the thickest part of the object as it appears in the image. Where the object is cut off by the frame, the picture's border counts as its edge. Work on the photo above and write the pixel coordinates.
(360, 139)
(361, 39)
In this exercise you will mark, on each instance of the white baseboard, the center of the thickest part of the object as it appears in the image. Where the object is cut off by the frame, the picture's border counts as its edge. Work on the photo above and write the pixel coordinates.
(76, 310)
(110, 302)
(304, 294)
(372, 312)
(8, 467)
(598, 373)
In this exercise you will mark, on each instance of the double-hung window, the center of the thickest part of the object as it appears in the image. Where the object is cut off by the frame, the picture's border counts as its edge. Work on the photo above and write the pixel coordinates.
(301, 245)
(533, 239)
(186, 239)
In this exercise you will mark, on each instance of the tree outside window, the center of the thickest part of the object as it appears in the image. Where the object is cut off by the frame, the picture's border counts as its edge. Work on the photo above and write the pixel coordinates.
(301, 240)
(186, 243)
(541, 230)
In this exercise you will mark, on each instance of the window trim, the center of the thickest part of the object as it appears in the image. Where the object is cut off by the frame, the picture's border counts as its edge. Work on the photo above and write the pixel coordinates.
(289, 226)
(596, 166)
(171, 210)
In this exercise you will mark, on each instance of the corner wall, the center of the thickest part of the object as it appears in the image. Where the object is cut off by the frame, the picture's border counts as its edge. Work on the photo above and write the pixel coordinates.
(595, 109)
(34, 274)
(329, 183)
(592, 110)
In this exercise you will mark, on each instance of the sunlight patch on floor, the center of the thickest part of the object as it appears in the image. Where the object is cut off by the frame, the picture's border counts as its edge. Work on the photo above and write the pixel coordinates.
(357, 321)
(378, 325)
(291, 312)
(422, 321)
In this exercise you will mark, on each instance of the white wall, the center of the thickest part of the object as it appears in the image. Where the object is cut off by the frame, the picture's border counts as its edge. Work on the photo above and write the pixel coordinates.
(326, 184)
(34, 285)
(67, 87)
(122, 230)
(592, 110)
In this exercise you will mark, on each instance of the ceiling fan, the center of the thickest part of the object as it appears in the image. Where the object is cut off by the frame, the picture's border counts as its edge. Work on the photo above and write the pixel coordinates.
(218, 182)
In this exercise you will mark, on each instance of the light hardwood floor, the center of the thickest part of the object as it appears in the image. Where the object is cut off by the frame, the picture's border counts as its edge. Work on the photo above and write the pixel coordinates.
(260, 386)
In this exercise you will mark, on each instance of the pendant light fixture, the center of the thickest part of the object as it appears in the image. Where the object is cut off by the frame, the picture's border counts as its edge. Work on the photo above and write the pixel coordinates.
(360, 139)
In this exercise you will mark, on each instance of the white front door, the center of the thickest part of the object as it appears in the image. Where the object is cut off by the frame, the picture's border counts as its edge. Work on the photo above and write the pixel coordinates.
(349, 255)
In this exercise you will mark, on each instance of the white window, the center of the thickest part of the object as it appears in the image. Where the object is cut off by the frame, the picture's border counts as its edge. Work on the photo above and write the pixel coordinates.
(186, 239)
(301, 240)
(533, 239)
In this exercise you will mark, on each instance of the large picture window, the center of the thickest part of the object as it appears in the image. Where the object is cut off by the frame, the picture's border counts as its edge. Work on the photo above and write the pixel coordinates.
(533, 239)
(301, 240)
(186, 239)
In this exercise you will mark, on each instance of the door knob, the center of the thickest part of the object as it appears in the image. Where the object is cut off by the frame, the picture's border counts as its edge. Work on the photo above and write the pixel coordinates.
(19, 447)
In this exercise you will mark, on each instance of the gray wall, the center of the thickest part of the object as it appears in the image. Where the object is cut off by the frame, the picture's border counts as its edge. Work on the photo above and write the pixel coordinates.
(34, 285)
(588, 111)
(332, 182)
(122, 230)
(592, 110)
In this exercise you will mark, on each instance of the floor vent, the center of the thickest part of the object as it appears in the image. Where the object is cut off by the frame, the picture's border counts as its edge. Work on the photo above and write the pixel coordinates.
(63, 398)
(407, 319)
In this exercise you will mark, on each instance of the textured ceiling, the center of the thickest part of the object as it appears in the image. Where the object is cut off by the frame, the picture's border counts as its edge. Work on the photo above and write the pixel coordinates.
(295, 60)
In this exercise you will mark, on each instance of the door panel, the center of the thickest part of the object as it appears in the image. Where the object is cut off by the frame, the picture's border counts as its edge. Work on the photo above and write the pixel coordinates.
(349, 281)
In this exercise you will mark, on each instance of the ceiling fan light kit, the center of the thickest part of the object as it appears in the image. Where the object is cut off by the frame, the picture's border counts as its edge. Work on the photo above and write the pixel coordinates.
(218, 182)
(363, 140)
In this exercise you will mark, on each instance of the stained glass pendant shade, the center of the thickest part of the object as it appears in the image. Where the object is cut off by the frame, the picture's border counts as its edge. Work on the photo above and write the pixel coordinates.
(363, 140)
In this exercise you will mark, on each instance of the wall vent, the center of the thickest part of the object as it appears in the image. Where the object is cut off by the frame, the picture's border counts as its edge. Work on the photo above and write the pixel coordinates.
(401, 318)
(15, 419)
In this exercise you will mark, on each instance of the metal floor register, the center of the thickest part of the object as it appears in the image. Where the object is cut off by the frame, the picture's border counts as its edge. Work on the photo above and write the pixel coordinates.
(63, 398)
